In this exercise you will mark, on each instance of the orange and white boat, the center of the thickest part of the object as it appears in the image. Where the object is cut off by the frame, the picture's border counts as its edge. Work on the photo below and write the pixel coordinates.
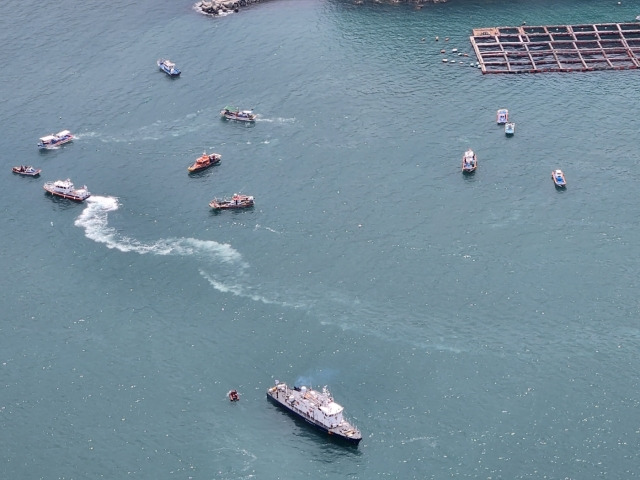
(204, 161)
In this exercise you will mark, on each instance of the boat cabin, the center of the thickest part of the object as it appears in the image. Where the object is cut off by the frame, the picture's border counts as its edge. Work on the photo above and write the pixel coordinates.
(328, 413)
(48, 139)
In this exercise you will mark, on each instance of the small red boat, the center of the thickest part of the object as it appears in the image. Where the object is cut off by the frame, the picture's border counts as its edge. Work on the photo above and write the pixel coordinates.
(237, 201)
(233, 396)
(205, 161)
(26, 170)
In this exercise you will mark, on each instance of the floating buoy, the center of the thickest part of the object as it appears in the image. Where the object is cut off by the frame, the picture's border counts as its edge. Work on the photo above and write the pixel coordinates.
(437, 38)
(443, 51)
(445, 60)
(466, 54)
(446, 39)
(454, 50)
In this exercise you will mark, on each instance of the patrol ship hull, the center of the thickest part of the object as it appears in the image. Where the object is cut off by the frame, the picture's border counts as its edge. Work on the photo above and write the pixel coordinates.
(316, 408)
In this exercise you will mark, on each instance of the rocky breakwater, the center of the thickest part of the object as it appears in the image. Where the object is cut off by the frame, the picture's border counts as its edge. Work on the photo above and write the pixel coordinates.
(221, 7)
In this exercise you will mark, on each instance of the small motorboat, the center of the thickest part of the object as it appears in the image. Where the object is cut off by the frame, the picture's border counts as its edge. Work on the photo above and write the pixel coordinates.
(233, 396)
(502, 116)
(558, 178)
(168, 67)
(469, 161)
(236, 201)
(66, 189)
(509, 128)
(55, 139)
(232, 113)
(26, 170)
(204, 161)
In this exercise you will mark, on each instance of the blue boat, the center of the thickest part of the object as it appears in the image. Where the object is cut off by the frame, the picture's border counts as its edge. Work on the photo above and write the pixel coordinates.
(509, 128)
(168, 67)
(558, 178)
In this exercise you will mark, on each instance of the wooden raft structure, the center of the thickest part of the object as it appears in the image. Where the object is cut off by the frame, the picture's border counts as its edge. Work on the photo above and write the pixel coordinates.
(558, 48)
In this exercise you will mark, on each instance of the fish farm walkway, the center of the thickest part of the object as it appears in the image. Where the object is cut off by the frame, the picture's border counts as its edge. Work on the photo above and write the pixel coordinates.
(558, 48)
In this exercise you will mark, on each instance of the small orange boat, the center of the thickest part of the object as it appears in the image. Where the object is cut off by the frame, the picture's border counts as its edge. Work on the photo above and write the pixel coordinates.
(205, 161)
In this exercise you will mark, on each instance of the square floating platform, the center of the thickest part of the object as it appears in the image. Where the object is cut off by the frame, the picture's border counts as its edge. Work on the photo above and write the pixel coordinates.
(558, 48)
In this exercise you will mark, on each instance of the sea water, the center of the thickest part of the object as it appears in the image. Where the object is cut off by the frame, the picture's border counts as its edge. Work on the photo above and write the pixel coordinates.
(473, 327)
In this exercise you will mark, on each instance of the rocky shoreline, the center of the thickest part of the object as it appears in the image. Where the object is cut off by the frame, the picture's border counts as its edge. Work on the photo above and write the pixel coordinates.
(223, 7)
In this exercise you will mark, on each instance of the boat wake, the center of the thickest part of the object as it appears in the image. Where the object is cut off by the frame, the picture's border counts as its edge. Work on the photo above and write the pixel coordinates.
(158, 130)
(94, 219)
(276, 120)
(243, 289)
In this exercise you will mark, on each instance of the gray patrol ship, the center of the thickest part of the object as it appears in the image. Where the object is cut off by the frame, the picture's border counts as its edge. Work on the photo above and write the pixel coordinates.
(317, 408)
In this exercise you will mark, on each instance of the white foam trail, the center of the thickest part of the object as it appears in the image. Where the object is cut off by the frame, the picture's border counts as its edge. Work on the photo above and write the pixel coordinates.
(243, 291)
(80, 136)
(94, 219)
(258, 226)
(276, 120)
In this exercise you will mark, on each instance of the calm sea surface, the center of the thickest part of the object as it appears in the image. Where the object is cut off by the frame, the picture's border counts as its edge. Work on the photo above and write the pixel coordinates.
(473, 327)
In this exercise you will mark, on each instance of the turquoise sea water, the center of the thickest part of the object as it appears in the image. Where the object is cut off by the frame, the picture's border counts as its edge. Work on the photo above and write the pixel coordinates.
(473, 327)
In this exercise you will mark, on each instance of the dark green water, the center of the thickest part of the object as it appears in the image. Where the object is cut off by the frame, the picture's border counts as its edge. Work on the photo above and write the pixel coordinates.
(473, 327)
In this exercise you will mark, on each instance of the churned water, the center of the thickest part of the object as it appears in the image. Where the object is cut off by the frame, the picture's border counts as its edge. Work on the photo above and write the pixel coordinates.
(473, 327)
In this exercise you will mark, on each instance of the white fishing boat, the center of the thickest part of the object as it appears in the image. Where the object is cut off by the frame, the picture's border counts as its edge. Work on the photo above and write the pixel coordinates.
(509, 128)
(55, 139)
(168, 67)
(469, 161)
(502, 116)
(232, 113)
(66, 189)
(26, 170)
